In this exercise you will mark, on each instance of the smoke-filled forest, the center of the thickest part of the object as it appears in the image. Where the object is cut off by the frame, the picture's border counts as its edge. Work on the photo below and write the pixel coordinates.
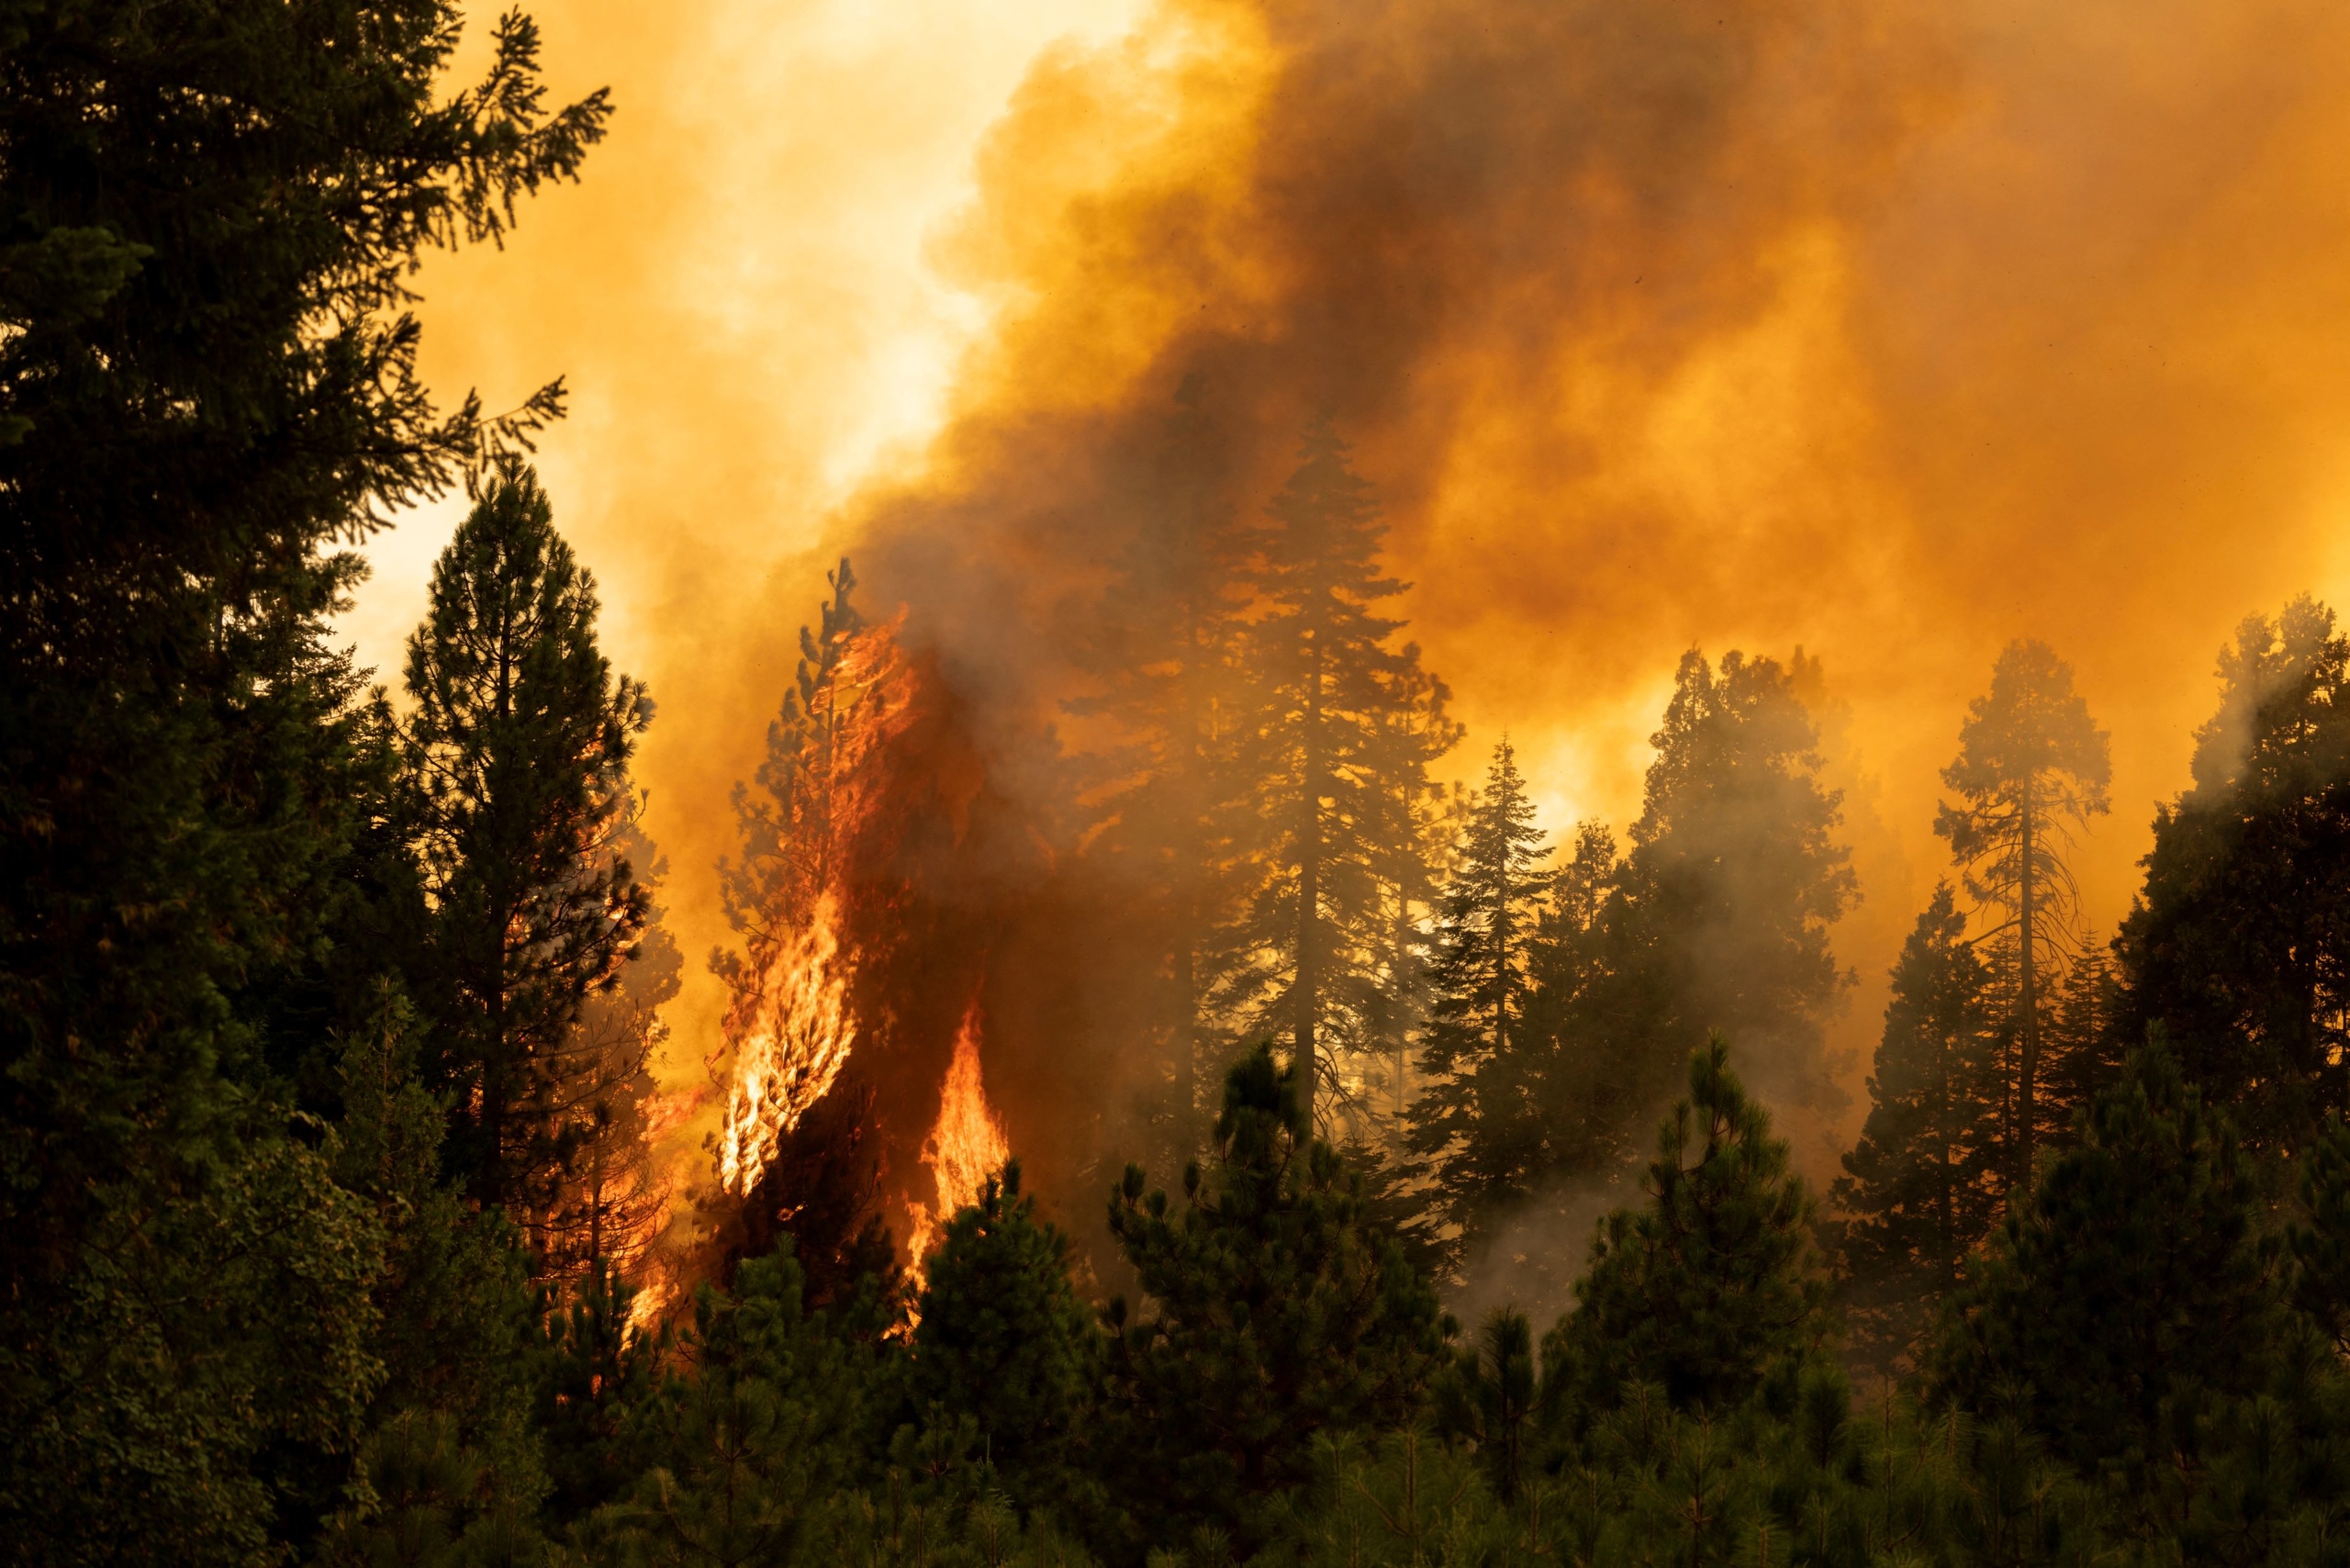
(1427, 873)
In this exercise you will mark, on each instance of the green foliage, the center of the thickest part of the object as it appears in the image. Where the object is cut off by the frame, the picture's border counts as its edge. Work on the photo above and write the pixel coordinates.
(1720, 921)
(1002, 1339)
(1275, 1312)
(599, 1376)
(751, 1447)
(2031, 767)
(2131, 1282)
(1712, 1286)
(2320, 1238)
(1492, 1398)
(1481, 1118)
(1922, 1186)
(1338, 751)
(2238, 942)
(518, 746)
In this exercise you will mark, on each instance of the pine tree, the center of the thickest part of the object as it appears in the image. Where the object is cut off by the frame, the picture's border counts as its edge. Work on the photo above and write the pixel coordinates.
(750, 1451)
(2080, 1040)
(1170, 776)
(519, 743)
(609, 1198)
(213, 214)
(1718, 918)
(1316, 934)
(1482, 1117)
(2031, 768)
(1714, 1285)
(787, 823)
(2242, 936)
(1923, 1185)
(1002, 1339)
(2133, 1280)
(1275, 1312)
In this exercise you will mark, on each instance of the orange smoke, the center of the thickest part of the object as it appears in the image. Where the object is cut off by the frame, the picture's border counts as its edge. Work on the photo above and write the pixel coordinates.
(963, 1151)
(1891, 328)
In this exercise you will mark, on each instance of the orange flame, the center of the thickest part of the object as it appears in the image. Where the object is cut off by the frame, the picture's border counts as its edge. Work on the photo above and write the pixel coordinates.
(800, 1039)
(963, 1151)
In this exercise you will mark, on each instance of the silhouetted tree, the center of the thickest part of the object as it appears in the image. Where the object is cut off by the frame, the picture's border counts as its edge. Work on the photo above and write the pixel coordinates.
(519, 743)
(1274, 1311)
(1172, 775)
(1716, 920)
(2240, 944)
(2031, 768)
(1003, 1341)
(2133, 1280)
(1714, 1283)
(1924, 1183)
(1315, 936)
(1482, 1118)
(212, 217)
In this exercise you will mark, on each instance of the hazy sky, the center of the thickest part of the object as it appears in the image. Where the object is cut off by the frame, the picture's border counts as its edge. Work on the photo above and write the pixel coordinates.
(1893, 330)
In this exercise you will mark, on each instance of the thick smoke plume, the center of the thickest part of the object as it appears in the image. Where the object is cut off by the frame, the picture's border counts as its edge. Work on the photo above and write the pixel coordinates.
(1896, 332)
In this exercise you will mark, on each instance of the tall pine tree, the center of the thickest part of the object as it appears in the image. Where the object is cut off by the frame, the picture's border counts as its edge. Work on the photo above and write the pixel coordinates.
(1923, 1185)
(2032, 767)
(1315, 937)
(1719, 917)
(213, 214)
(519, 745)
(1171, 770)
(787, 821)
(2240, 944)
(1483, 1119)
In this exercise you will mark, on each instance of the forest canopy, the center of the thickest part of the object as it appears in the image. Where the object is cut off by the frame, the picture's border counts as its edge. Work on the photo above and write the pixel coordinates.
(339, 1226)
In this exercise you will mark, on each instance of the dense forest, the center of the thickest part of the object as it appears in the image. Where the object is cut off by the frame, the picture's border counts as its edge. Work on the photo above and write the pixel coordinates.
(329, 1010)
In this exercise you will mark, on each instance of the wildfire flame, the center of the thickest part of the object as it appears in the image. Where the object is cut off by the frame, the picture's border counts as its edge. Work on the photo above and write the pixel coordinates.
(963, 1151)
(800, 1039)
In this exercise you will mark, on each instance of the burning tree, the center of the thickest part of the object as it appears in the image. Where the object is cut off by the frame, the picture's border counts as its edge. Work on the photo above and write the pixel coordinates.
(837, 1030)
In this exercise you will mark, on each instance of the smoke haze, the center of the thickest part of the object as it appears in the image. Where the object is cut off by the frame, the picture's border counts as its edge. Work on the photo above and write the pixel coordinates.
(1892, 331)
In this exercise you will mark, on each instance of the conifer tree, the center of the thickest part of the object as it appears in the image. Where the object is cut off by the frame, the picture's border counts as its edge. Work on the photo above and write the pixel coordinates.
(1274, 1311)
(1002, 1339)
(750, 1451)
(2080, 1040)
(1922, 1186)
(1482, 1118)
(1713, 1284)
(207, 383)
(2132, 1281)
(1415, 842)
(1719, 916)
(2241, 939)
(787, 822)
(519, 743)
(2031, 768)
(1171, 775)
(1332, 684)
(609, 1197)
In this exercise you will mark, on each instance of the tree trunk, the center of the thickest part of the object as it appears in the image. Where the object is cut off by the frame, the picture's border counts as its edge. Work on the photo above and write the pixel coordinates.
(2028, 1068)
(1306, 994)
